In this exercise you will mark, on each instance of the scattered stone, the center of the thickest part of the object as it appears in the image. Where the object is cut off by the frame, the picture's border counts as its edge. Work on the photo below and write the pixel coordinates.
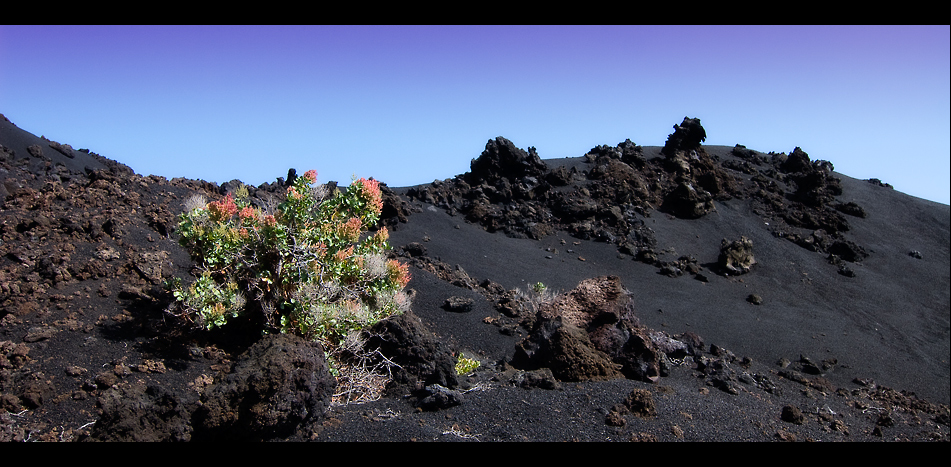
(615, 416)
(10, 403)
(458, 304)
(677, 431)
(840, 426)
(736, 257)
(143, 413)
(35, 150)
(792, 414)
(851, 209)
(107, 379)
(784, 435)
(437, 397)
(75, 371)
(848, 251)
(541, 378)
(414, 249)
(151, 265)
(38, 334)
(63, 149)
(641, 403)
(151, 366)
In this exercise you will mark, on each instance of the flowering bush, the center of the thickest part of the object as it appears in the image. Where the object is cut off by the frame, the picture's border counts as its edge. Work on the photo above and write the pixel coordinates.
(307, 267)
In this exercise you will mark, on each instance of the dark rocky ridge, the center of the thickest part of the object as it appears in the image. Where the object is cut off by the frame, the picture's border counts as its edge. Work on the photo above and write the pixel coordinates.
(88, 353)
(609, 198)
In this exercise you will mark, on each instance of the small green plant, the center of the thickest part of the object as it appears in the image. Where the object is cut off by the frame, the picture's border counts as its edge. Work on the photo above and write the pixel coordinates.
(465, 365)
(309, 267)
(538, 287)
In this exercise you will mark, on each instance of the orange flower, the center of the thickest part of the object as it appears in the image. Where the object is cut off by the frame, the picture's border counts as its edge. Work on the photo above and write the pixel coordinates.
(342, 255)
(311, 176)
(371, 190)
(399, 272)
(380, 237)
(248, 213)
(350, 230)
(224, 209)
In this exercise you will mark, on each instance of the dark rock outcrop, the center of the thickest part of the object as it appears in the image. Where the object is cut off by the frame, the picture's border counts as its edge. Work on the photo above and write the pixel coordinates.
(686, 137)
(687, 202)
(281, 382)
(423, 361)
(502, 160)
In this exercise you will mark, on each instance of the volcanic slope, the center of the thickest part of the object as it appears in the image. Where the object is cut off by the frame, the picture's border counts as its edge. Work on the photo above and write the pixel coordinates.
(760, 296)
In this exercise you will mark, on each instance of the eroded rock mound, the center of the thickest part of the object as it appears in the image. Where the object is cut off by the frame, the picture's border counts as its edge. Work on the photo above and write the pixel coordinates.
(697, 179)
(591, 333)
(567, 350)
(423, 360)
(513, 191)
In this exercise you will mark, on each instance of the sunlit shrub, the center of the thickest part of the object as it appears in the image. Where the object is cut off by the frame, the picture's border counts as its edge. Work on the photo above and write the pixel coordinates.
(310, 267)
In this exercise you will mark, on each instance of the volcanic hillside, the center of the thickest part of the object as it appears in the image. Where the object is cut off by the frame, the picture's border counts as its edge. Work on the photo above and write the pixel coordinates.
(682, 292)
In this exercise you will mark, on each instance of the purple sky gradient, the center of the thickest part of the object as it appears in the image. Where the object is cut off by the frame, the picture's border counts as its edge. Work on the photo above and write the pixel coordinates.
(411, 104)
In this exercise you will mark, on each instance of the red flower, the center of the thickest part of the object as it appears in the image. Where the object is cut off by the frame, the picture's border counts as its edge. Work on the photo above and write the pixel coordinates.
(311, 176)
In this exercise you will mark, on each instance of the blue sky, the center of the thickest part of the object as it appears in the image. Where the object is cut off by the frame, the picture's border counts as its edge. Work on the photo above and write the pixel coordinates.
(411, 104)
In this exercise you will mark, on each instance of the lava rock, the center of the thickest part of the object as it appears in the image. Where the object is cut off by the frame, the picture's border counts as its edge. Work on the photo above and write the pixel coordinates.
(458, 304)
(687, 202)
(144, 414)
(686, 136)
(281, 382)
(501, 159)
(792, 414)
(423, 360)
